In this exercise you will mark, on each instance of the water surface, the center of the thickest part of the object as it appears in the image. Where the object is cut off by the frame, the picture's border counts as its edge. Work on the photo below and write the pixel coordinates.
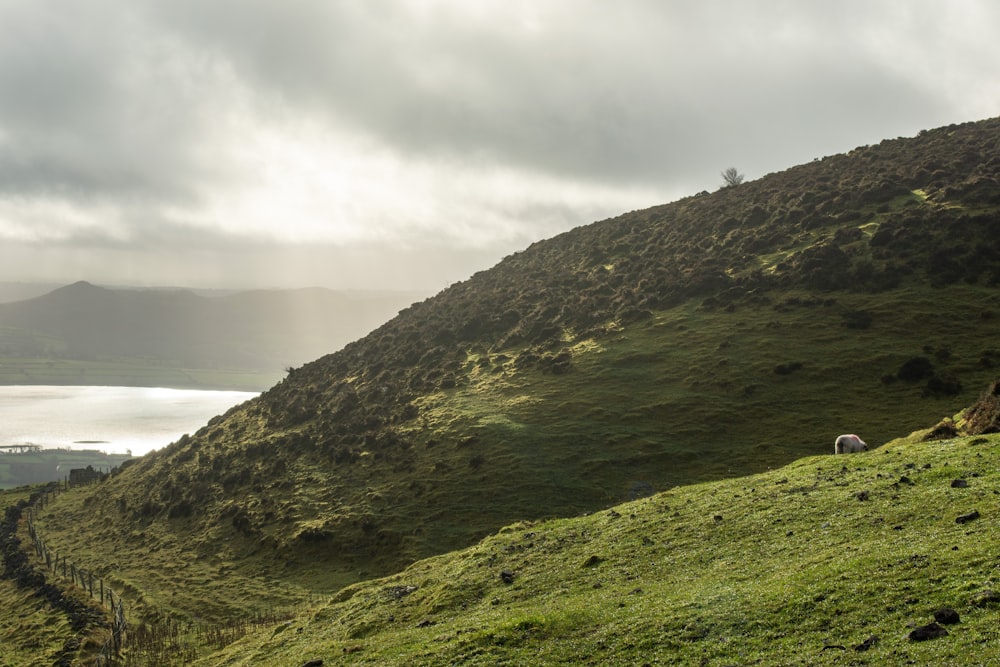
(110, 419)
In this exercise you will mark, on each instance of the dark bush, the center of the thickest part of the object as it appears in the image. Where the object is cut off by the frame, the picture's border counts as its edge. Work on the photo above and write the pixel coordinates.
(857, 319)
(915, 369)
(180, 510)
(942, 385)
(787, 369)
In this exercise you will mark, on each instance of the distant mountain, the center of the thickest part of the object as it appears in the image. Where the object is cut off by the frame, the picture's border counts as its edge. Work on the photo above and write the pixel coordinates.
(713, 337)
(11, 291)
(260, 330)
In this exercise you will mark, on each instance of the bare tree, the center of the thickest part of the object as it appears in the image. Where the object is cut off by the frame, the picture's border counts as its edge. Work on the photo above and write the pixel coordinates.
(731, 178)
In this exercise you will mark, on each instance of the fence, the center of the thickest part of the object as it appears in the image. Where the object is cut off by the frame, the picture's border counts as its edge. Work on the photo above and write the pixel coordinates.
(159, 644)
(95, 586)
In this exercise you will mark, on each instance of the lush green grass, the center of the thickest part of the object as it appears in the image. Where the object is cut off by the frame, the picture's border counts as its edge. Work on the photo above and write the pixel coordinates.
(690, 395)
(701, 388)
(128, 373)
(31, 631)
(769, 569)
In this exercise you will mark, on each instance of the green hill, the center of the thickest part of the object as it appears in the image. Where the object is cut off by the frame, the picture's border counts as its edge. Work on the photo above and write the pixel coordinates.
(828, 561)
(711, 338)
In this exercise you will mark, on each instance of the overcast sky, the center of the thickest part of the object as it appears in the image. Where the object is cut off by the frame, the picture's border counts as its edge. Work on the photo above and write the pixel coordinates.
(410, 143)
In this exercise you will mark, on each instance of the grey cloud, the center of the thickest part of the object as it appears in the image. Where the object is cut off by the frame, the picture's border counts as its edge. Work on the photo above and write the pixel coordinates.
(623, 92)
(93, 105)
(136, 110)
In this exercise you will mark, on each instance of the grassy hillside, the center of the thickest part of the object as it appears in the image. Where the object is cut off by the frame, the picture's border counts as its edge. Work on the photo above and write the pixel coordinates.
(798, 566)
(829, 559)
(711, 338)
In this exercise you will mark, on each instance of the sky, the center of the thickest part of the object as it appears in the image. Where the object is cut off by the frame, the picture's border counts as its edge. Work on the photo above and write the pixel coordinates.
(406, 144)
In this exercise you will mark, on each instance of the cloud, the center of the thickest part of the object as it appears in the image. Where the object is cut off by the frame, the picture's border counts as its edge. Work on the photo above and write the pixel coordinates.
(473, 126)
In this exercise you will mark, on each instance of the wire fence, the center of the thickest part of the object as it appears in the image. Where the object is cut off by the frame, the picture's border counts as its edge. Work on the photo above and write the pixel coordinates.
(167, 642)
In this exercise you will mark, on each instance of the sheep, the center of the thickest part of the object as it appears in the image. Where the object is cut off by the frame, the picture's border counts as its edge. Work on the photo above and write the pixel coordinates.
(846, 444)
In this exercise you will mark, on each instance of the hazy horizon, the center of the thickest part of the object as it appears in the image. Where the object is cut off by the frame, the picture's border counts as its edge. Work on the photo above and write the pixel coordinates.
(407, 145)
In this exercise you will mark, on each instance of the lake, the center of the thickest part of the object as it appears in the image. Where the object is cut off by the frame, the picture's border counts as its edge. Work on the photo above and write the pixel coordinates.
(110, 419)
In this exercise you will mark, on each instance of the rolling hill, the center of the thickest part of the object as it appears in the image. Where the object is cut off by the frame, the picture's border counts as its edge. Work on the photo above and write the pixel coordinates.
(261, 330)
(711, 338)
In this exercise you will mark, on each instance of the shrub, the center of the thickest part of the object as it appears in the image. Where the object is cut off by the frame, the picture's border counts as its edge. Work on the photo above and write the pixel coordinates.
(915, 369)
(942, 385)
(857, 319)
(787, 369)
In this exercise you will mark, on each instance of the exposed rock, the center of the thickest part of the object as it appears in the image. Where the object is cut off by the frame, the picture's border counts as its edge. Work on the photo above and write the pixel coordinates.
(867, 644)
(397, 592)
(959, 484)
(925, 632)
(507, 577)
(966, 518)
(946, 616)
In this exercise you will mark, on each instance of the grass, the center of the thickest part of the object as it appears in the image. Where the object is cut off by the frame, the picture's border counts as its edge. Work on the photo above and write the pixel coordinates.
(690, 395)
(31, 632)
(786, 567)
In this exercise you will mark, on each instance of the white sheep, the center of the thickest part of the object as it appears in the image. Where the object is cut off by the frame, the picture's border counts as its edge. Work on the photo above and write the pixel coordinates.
(849, 443)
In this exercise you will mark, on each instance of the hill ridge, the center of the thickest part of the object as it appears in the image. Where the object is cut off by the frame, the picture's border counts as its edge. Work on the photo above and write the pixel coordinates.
(262, 330)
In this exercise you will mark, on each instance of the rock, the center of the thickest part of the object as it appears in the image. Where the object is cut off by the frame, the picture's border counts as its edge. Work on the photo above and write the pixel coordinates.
(861, 495)
(867, 644)
(398, 592)
(925, 632)
(966, 518)
(507, 577)
(946, 616)
(959, 484)
(313, 663)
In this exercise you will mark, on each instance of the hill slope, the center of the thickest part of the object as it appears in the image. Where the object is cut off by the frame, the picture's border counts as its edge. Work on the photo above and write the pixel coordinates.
(713, 337)
(828, 561)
